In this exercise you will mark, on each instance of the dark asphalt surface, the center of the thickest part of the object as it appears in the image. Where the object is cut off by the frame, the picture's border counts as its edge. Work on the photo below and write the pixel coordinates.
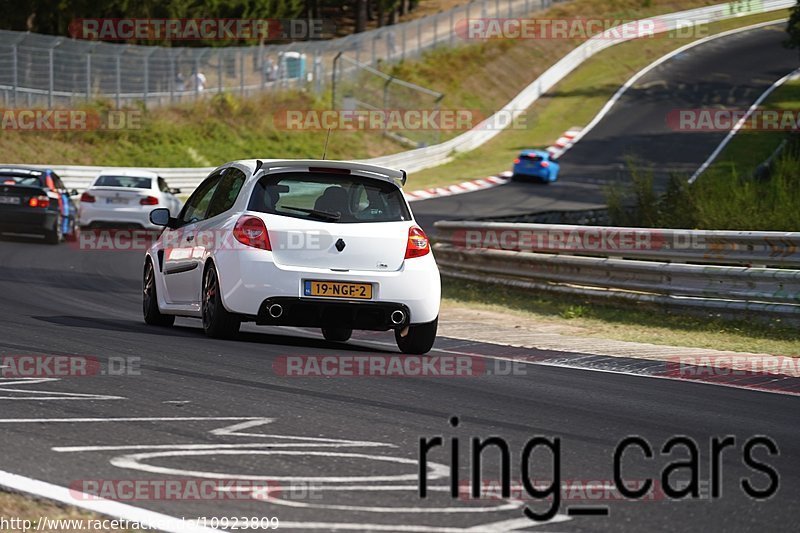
(729, 72)
(63, 301)
(60, 300)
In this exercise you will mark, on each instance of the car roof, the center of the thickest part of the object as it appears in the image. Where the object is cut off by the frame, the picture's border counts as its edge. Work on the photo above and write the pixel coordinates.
(543, 153)
(23, 170)
(128, 172)
(364, 169)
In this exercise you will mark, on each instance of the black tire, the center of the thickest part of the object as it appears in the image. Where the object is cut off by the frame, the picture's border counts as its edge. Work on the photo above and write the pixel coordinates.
(218, 322)
(419, 339)
(337, 334)
(55, 235)
(152, 314)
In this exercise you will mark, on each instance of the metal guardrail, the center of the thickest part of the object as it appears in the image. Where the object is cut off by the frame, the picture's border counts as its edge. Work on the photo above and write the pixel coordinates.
(713, 271)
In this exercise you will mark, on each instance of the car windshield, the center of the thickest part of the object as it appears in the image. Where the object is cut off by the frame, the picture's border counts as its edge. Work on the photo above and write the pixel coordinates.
(20, 179)
(329, 197)
(128, 182)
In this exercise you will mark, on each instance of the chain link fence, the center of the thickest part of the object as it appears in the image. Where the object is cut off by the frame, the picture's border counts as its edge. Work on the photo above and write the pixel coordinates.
(47, 71)
(356, 87)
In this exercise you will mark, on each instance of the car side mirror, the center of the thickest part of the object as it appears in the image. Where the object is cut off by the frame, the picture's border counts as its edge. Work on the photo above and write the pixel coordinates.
(74, 192)
(160, 217)
(174, 191)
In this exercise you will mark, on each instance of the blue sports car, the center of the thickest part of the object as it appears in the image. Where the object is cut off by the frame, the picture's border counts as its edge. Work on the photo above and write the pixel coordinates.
(536, 165)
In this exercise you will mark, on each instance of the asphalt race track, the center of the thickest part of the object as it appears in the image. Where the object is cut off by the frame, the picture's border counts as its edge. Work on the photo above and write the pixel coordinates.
(356, 438)
(343, 452)
(729, 72)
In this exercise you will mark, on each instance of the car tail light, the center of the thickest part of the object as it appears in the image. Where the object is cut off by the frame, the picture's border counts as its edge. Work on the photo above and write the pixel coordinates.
(418, 244)
(252, 231)
(150, 200)
(516, 161)
(87, 198)
(544, 164)
(39, 201)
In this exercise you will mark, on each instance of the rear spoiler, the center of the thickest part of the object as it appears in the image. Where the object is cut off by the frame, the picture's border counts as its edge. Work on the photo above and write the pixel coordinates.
(390, 173)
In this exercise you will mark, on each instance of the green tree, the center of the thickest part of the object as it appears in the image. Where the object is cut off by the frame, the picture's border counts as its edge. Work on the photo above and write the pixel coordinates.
(793, 28)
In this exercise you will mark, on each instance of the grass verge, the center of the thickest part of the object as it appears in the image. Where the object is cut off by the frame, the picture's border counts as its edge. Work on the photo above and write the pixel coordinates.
(729, 195)
(626, 324)
(30, 511)
(749, 148)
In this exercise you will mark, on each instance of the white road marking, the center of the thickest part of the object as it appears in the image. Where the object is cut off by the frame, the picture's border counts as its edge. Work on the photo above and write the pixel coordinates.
(133, 462)
(125, 419)
(437, 471)
(235, 429)
(25, 394)
(135, 447)
(509, 506)
(515, 524)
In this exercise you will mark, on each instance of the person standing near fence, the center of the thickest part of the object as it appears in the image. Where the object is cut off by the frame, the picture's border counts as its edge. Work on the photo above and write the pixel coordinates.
(197, 82)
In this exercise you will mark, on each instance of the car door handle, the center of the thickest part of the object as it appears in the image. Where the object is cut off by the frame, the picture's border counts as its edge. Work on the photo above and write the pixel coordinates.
(190, 238)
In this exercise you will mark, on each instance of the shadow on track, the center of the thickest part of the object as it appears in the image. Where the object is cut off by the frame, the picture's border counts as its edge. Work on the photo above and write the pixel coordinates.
(187, 332)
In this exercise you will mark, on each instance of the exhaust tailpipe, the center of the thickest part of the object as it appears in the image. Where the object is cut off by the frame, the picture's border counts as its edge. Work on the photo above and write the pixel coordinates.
(275, 310)
(398, 317)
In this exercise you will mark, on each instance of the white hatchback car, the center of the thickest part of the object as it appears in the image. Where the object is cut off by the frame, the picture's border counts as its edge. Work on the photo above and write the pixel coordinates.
(126, 197)
(327, 244)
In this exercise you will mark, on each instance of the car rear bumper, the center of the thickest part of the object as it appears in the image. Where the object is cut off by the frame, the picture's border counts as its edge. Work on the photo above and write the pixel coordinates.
(27, 220)
(94, 217)
(538, 173)
(249, 277)
(313, 312)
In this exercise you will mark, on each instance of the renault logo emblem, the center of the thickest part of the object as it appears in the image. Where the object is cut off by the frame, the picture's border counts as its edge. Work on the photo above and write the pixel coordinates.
(340, 244)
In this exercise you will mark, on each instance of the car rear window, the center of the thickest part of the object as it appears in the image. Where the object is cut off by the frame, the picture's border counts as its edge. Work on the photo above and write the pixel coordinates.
(533, 157)
(18, 179)
(128, 182)
(313, 196)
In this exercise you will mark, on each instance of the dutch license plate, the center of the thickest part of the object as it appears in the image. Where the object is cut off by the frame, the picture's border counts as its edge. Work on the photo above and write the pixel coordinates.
(337, 289)
(9, 200)
(116, 201)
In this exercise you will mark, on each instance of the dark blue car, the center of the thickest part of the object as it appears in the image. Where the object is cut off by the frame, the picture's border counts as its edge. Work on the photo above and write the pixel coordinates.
(36, 202)
(535, 165)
